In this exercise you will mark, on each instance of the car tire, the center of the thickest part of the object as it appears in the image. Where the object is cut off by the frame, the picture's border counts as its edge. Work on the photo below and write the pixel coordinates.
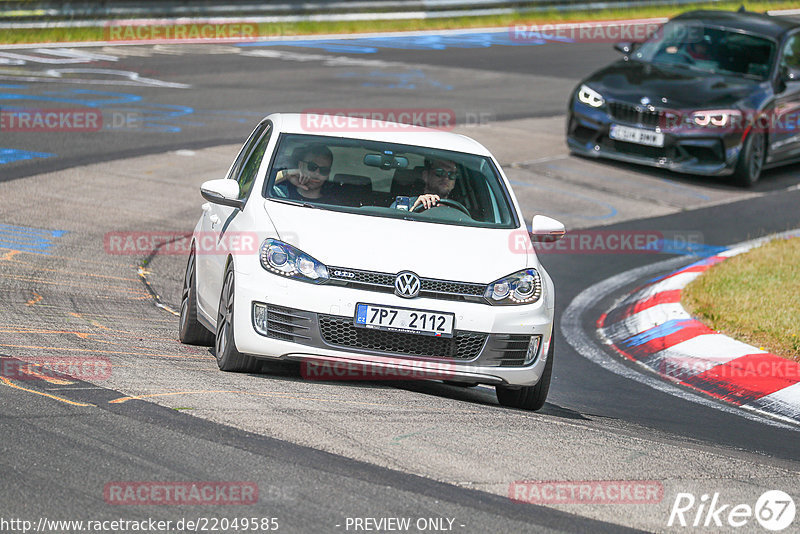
(190, 330)
(751, 160)
(228, 357)
(529, 397)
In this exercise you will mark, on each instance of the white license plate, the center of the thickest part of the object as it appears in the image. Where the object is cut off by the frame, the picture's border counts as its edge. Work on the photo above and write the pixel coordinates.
(636, 135)
(429, 323)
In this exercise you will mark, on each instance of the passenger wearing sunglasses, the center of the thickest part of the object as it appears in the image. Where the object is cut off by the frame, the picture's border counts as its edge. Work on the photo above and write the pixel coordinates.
(440, 179)
(313, 168)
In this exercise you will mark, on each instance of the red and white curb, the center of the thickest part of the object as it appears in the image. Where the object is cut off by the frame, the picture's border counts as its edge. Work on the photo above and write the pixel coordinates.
(651, 328)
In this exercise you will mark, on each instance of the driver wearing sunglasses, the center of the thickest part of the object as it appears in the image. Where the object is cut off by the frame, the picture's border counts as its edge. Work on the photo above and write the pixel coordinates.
(313, 169)
(440, 178)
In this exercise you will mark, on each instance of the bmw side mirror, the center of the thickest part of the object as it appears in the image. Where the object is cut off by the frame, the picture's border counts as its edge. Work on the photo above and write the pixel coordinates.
(224, 192)
(790, 75)
(545, 229)
(625, 48)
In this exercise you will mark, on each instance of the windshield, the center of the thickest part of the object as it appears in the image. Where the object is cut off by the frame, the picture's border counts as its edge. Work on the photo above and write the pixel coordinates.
(387, 179)
(710, 49)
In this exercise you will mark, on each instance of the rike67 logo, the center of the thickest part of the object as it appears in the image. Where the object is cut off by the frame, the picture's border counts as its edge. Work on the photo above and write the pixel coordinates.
(774, 510)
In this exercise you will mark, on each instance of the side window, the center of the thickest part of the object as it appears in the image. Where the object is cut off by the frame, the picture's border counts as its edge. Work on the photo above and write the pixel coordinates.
(791, 53)
(246, 149)
(251, 166)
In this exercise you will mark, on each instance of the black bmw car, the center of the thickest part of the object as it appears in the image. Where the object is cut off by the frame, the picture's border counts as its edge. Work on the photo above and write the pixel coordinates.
(710, 93)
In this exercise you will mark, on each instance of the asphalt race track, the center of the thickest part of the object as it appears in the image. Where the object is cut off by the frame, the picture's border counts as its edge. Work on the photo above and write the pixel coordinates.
(324, 453)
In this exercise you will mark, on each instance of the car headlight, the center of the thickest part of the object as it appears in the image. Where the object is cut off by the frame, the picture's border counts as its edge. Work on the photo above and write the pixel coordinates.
(717, 118)
(284, 259)
(524, 287)
(589, 96)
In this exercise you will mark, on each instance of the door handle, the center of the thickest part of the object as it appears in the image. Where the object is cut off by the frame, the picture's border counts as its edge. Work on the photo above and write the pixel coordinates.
(214, 219)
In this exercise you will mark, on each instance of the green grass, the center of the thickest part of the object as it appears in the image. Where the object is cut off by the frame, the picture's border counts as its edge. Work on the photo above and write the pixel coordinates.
(99, 33)
(753, 297)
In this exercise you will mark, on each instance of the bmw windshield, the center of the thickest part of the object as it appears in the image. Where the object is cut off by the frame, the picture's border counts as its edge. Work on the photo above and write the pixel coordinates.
(389, 180)
(711, 49)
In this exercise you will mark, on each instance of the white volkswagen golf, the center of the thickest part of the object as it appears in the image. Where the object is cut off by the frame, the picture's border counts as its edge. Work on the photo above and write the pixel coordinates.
(376, 244)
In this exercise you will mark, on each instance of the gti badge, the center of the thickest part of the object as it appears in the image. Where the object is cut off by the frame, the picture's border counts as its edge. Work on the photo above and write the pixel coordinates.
(406, 285)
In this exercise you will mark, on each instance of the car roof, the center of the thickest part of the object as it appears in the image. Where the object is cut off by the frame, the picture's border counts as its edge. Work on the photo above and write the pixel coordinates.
(374, 130)
(748, 21)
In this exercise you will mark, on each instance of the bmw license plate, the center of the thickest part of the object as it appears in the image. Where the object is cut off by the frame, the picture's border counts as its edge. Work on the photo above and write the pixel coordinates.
(639, 136)
(429, 323)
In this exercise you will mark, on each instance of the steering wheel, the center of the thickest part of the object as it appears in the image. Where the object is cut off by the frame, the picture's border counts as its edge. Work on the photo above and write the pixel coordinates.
(446, 202)
(683, 54)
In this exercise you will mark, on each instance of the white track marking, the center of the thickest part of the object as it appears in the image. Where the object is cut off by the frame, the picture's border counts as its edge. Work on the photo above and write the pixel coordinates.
(589, 348)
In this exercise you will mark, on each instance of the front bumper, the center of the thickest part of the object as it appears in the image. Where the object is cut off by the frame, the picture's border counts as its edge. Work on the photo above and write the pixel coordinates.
(701, 153)
(315, 323)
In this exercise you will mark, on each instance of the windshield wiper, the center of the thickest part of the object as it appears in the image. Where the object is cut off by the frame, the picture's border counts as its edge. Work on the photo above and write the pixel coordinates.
(295, 202)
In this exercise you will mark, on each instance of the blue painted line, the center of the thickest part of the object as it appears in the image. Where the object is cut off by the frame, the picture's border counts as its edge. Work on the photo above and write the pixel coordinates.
(397, 80)
(704, 261)
(666, 246)
(10, 155)
(371, 45)
(28, 239)
(36, 243)
(26, 246)
(28, 230)
(663, 330)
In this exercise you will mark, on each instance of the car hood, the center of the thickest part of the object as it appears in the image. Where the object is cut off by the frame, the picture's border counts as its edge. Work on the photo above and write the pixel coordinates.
(372, 243)
(631, 81)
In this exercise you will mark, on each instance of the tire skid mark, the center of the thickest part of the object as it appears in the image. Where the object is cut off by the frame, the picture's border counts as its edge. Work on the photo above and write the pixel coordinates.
(21, 278)
(9, 383)
(272, 394)
(68, 271)
(36, 299)
(83, 335)
(40, 376)
(122, 353)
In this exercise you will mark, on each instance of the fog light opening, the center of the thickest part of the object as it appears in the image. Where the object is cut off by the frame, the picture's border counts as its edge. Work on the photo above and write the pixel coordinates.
(260, 318)
(533, 349)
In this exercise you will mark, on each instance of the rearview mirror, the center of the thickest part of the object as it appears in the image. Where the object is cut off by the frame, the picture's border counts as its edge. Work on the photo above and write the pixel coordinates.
(625, 48)
(385, 161)
(224, 192)
(546, 230)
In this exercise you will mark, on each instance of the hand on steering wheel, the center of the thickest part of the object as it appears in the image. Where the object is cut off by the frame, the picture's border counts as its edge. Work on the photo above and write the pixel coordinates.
(421, 205)
(425, 202)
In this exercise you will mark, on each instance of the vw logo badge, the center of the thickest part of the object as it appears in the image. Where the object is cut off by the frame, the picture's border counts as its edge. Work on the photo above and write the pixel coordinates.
(406, 285)
(645, 101)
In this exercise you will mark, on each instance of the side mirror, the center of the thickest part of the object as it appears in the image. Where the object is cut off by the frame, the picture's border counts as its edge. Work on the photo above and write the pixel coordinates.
(546, 230)
(789, 75)
(224, 192)
(625, 48)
